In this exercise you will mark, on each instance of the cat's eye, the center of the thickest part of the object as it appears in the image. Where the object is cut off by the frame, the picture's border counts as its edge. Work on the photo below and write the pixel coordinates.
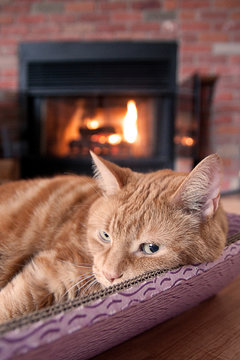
(149, 249)
(104, 236)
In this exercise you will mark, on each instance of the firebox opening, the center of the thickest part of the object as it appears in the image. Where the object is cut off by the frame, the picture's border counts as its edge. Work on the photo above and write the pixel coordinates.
(115, 98)
(112, 126)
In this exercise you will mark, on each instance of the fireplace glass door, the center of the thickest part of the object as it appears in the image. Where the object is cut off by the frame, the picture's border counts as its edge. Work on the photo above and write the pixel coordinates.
(115, 127)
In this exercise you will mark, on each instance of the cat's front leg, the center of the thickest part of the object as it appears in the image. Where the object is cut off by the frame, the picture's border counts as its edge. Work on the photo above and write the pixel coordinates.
(44, 281)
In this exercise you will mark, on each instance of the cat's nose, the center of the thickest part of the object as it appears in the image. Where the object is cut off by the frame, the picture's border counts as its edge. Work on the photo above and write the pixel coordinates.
(112, 276)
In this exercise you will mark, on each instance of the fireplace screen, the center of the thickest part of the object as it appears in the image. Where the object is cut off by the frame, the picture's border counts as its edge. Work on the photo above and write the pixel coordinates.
(111, 126)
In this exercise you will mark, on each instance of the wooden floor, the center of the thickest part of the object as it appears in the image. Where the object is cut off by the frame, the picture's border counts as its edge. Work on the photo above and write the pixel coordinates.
(210, 331)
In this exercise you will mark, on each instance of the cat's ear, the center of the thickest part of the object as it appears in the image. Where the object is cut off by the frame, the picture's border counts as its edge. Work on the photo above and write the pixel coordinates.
(200, 191)
(110, 177)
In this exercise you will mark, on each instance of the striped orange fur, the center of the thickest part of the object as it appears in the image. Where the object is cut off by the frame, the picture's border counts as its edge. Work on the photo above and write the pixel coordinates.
(70, 235)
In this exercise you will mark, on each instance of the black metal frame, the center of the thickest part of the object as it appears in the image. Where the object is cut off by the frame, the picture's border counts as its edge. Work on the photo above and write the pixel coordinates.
(55, 69)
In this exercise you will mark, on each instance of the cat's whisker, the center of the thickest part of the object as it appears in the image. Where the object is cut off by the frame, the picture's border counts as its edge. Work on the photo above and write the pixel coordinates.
(89, 281)
(90, 285)
(80, 281)
(76, 285)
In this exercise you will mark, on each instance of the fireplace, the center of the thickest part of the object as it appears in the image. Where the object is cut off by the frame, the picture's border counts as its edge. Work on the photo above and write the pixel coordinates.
(115, 98)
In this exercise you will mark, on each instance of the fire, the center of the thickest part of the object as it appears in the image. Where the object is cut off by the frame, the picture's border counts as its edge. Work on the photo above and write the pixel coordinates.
(187, 141)
(184, 140)
(114, 139)
(92, 124)
(130, 123)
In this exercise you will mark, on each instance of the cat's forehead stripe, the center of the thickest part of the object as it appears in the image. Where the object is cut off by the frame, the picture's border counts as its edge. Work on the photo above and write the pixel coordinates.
(139, 204)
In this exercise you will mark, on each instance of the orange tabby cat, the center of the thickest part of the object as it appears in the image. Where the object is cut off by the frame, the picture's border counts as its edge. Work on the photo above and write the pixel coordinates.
(69, 235)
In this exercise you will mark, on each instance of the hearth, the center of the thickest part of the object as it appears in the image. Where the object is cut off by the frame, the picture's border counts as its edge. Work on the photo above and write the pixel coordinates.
(115, 98)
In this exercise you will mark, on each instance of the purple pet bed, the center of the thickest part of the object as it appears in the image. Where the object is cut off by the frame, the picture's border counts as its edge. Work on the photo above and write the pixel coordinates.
(84, 328)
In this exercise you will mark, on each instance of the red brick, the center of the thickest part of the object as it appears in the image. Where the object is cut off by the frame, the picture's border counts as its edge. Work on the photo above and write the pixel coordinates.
(9, 84)
(212, 59)
(8, 50)
(235, 59)
(196, 48)
(227, 70)
(236, 37)
(227, 4)
(9, 72)
(225, 184)
(213, 14)
(226, 162)
(111, 27)
(63, 18)
(145, 26)
(190, 69)
(44, 29)
(213, 37)
(195, 25)
(228, 107)
(146, 4)
(6, 19)
(127, 16)
(16, 8)
(19, 29)
(194, 4)
(224, 119)
(189, 37)
(78, 28)
(80, 6)
(6, 42)
(162, 35)
(230, 84)
(31, 19)
(187, 58)
(187, 14)
(223, 96)
(235, 15)
(228, 130)
(170, 4)
(94, 17)
(118, 5)
(219, 25)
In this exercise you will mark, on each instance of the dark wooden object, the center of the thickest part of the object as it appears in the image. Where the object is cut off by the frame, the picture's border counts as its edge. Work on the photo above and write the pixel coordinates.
(206, 93)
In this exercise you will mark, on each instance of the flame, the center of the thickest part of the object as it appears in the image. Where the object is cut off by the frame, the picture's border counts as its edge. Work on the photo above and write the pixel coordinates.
(187, 141)
(184, 140)
(130, 123)
(114, 139)
(92, 124)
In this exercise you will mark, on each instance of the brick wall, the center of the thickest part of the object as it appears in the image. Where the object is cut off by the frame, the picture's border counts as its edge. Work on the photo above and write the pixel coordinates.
(208, 32)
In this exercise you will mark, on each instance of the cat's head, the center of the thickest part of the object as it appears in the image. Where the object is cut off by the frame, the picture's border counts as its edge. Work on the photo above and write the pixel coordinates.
(144, 222)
